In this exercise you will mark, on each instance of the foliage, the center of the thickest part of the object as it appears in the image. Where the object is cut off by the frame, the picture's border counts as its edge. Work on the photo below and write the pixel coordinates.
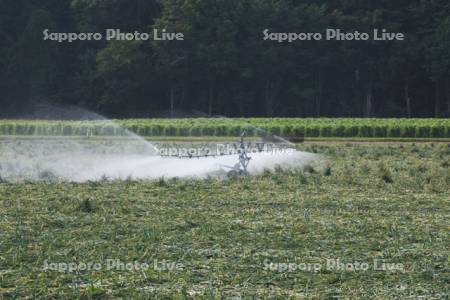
(224, 66)
(220, 127)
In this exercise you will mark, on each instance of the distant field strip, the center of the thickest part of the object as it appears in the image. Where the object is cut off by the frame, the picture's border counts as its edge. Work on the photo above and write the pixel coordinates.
(217, 127)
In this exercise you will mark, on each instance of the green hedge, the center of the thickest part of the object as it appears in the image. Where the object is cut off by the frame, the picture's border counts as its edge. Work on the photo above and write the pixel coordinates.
(288, 127)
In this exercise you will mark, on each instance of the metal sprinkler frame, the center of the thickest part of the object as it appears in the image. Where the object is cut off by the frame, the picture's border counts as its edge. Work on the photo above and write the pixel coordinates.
(240, 149)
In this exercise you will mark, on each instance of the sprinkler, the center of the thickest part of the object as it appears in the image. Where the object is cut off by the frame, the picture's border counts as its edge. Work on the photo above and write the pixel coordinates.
(239, 169)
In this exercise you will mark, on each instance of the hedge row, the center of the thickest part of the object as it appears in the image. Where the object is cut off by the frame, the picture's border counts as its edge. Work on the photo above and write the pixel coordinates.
(405, 128)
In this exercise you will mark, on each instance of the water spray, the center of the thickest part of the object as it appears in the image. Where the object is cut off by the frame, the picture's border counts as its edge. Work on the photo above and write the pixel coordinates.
(91, 159)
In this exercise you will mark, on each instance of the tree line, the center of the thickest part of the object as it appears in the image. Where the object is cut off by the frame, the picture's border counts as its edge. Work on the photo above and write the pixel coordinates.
(224, 66)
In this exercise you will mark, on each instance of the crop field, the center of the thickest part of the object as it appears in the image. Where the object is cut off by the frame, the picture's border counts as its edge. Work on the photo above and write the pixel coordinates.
(370, 221)
(222, 127)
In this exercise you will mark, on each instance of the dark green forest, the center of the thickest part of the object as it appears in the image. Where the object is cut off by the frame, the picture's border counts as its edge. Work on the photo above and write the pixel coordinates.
(224, 66)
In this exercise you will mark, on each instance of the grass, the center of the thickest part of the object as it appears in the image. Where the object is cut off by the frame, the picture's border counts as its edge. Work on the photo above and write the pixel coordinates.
(367, 202)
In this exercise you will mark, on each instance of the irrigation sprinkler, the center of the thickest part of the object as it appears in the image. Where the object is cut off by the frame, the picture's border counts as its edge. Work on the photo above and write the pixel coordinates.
(241, 149)
(240, 168)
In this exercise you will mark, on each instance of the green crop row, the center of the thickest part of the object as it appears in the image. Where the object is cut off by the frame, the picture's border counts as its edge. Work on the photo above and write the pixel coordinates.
(287, 127)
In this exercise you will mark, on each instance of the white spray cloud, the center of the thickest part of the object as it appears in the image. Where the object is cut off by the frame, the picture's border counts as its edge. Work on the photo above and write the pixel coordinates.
(83, 160)
(131, 156)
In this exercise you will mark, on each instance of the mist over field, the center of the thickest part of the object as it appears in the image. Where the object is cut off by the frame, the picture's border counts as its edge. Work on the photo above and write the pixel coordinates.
(86, 160)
